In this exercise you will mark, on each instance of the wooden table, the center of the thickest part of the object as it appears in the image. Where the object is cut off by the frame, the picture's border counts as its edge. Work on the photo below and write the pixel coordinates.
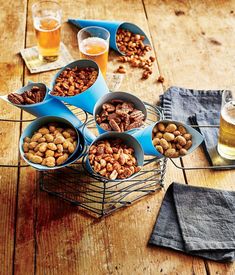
(194, 45)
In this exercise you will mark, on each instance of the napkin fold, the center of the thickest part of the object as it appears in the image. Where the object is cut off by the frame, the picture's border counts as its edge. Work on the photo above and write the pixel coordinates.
(198, 221)
(197, 107)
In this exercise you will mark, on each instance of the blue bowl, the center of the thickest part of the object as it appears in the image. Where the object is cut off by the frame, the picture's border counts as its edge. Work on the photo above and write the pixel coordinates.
(87, 99)
(145, 138)
(129, 141)
(119, 95)
(35, 125)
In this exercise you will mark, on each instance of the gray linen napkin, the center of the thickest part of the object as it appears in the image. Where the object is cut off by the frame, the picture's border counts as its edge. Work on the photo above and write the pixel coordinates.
(197, 107)
(198, 221)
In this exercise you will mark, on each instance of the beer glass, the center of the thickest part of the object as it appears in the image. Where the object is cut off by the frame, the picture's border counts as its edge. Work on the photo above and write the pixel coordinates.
(226, 142)
(93, 43)
(47, 24)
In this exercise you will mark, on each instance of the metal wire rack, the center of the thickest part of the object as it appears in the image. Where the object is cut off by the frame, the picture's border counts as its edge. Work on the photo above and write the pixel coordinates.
(100, 197)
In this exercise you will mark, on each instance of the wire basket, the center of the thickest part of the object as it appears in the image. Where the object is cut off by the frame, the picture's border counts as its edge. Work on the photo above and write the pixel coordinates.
(98, 196)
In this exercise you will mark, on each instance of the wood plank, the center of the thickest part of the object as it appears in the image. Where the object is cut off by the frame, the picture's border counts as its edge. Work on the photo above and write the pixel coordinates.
(195, 50)
(12, 28)
(66, 241)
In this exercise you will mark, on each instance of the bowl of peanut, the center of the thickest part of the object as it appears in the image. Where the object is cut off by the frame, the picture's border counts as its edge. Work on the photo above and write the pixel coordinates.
(79, 83)
(120, 112)
(50, 143)
(168, 138)
(115, 157)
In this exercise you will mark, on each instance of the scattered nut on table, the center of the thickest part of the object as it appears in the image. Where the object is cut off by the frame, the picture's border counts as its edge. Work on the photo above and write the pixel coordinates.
(171, 140)
(119, 115)
(132, 45)
(74, 81)
(32, 96)
(113, 159)
(50, 145)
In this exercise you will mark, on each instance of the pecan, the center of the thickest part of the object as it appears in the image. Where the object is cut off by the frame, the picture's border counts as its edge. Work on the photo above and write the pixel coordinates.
(115, 117)
(136, 113)
(108, 107)
(13, 99)
(114, 125)
(135, 124)
(105, 126)
(128, 106)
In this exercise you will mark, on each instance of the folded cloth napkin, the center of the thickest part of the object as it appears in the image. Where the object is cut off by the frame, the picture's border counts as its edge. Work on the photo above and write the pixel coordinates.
(198, 221)
(198, 107)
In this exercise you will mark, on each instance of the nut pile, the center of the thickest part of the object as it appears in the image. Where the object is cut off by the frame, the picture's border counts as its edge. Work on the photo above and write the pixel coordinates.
(132, 46)
(74, 81)
(32, 96)
(50, 145)
(119, 115)
(171, 140)
(113, 159)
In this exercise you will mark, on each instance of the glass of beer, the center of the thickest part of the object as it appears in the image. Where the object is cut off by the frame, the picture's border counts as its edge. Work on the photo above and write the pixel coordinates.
(47, 17)
(226, 142)
(93, 43)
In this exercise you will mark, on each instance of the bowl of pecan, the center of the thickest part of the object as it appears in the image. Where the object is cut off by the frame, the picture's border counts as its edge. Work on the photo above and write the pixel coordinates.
(115, 157)
(169, 138)
(79, 83)
(35, 99)
(120, 112)
(124, 36)
(50, 143)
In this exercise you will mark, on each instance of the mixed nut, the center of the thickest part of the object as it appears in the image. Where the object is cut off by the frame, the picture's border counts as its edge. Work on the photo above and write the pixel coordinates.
(32, 96)
(171, 140)
(50, 145)
(113, 159)
(119, 115)
(73, 81)
(133, 47)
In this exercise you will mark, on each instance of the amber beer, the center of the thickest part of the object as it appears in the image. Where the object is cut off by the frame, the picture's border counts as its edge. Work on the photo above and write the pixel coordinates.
(93, 44)
(47, 16)
(96, 49)
(226, 142)
(48, 38)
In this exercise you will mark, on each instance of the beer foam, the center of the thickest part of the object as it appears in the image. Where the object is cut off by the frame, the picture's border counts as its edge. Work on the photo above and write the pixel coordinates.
(37, 23)
(93, 41)
(228, 112)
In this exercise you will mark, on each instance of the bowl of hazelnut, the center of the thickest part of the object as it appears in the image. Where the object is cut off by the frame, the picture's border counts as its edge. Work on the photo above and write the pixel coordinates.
(50, 143)
(115, 157)
(120, 112)
(169, 138)
(79, 83)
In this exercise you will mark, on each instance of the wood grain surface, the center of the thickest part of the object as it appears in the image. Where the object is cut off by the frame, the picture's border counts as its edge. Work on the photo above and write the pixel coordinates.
(193, 42)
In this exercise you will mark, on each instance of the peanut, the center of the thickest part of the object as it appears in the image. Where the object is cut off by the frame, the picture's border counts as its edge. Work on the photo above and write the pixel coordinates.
(48, 146)
(62, 159)
(36, 137)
